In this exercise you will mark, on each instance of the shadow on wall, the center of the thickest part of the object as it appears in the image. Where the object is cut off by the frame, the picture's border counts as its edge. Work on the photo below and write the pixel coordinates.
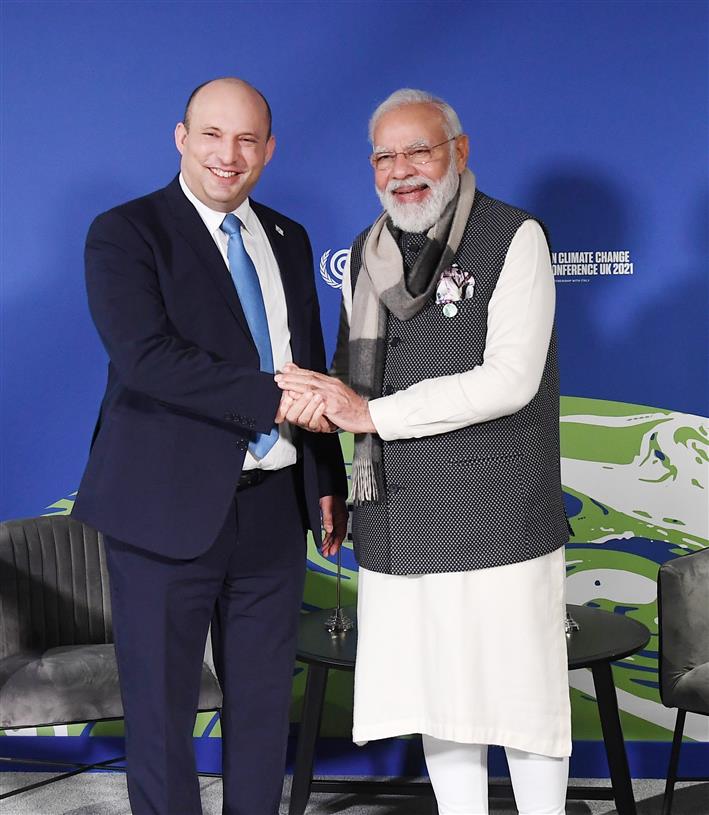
(650, 327)
(583, 210)
(580, 207)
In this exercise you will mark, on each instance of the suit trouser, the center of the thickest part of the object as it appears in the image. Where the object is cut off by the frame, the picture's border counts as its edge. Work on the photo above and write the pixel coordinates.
(251, 581)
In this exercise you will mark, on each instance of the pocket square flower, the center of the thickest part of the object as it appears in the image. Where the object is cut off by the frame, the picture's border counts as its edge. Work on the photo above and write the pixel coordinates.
(454, 284)
(447, 291)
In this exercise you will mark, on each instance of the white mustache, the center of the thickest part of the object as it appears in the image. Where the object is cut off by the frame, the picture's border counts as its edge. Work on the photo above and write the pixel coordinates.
(418, 217)
(414, 181)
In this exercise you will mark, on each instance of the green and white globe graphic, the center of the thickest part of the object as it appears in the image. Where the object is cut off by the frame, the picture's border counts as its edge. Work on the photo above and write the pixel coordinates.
(636, 483)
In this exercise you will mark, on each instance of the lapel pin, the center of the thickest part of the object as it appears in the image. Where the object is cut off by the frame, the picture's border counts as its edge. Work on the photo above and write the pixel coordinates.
(279, 230)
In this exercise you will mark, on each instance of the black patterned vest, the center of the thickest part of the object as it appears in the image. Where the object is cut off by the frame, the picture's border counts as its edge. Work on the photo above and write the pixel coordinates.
(485, 495)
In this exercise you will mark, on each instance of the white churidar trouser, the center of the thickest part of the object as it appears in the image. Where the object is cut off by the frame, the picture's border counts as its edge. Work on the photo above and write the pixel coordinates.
(458, 773)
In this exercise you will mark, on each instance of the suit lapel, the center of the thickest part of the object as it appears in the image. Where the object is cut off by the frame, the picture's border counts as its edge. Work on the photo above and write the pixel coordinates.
(193, 230)
(282, 244)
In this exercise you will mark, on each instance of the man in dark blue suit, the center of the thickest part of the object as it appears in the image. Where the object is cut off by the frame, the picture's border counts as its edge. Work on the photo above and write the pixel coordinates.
(202, 476)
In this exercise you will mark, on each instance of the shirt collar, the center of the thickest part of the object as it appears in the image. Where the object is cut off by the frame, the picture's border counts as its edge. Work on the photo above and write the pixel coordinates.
(213, 219)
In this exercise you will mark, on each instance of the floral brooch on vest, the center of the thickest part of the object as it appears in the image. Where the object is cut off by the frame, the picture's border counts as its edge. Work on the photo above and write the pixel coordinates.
(455, 284)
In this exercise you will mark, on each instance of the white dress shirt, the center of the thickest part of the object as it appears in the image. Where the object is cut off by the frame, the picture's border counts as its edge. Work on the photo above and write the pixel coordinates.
(283, 453)
(520, 319)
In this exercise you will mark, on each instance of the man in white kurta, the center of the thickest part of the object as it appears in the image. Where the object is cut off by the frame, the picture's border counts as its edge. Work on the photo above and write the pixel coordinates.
(468, 656)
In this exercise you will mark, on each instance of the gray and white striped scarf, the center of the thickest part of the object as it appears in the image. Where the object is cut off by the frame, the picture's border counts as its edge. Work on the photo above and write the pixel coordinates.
(381, 288)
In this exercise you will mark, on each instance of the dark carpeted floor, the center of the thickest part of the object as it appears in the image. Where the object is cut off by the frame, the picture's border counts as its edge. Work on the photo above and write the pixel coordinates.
(105, 794)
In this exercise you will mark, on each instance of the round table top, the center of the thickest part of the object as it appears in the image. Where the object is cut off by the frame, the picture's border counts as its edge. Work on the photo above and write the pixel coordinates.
(602, 637)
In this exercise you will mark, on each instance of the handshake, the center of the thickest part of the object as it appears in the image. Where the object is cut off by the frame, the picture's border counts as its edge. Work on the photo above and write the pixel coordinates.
(320, 403)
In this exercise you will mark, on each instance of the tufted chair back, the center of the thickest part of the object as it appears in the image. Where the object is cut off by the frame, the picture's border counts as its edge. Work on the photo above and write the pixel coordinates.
(683, 592)
(683, 609)
(53, 585)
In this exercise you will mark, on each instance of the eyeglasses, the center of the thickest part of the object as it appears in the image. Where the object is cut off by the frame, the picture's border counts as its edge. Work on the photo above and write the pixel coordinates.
(414, 155)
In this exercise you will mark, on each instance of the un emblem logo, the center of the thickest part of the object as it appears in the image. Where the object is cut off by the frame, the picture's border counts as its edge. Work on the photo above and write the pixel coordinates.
(332, 267)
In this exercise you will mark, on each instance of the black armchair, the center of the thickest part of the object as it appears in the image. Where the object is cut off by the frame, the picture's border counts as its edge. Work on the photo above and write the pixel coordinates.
(57, 662)
(683, 605)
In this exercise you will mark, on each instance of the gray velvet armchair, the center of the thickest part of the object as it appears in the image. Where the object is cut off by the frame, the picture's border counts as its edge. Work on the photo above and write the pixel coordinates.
(683, 605)
(57, 662)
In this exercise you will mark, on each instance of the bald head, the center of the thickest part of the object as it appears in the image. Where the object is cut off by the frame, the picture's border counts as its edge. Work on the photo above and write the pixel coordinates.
(225, 142)
(225, 82)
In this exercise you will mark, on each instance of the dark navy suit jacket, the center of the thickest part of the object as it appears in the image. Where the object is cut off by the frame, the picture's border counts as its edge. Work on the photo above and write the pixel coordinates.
(184, 388)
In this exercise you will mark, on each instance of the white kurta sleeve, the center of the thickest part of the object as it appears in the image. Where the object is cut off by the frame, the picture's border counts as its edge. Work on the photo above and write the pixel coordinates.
(520, 319)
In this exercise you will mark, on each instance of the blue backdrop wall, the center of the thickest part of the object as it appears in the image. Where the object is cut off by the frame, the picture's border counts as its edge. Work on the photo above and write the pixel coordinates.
(591, 115)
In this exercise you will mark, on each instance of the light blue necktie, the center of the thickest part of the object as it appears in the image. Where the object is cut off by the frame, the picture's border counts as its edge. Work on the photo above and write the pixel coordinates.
(248, 288)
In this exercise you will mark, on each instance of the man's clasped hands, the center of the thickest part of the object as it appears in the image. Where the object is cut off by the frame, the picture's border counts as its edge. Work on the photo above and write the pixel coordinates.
(320, 403)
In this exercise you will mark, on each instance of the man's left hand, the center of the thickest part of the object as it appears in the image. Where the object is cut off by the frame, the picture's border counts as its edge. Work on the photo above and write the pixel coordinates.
(305, 410)
(333, 509)
(347, 409)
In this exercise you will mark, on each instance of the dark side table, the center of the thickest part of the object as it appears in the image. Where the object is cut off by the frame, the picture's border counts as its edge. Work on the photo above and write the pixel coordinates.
(602, 638)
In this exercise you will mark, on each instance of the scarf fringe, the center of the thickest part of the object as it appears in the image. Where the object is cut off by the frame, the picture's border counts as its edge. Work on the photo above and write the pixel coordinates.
(367, 480)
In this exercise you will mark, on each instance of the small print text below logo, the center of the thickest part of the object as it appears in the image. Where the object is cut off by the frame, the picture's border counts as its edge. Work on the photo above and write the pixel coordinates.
(332, 266)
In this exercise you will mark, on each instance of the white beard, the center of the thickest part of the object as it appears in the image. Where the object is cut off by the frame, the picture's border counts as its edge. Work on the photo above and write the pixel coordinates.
(419, 217)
